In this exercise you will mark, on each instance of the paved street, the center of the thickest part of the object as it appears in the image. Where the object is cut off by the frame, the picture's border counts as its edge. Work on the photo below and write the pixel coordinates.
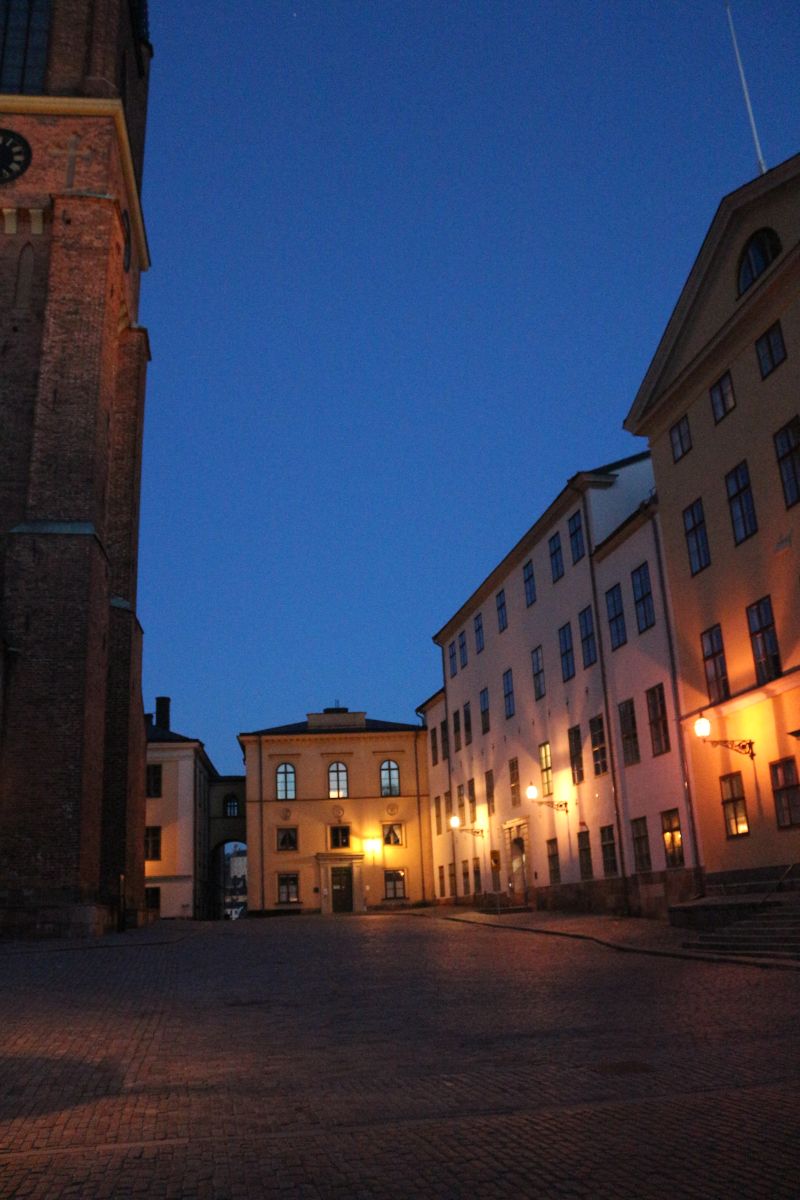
(392, 1056)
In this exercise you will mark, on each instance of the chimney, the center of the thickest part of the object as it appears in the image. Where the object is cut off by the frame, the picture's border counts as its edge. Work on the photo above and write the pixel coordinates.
(162, 712)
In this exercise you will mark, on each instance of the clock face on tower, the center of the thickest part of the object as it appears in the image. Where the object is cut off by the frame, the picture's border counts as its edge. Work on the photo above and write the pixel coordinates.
(15, 155)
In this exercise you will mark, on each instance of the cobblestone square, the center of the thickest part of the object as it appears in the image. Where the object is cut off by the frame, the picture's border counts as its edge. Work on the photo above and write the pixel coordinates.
(391, 1056)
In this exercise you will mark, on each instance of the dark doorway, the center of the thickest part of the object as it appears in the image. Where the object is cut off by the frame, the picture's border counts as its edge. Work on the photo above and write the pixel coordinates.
(342, 889)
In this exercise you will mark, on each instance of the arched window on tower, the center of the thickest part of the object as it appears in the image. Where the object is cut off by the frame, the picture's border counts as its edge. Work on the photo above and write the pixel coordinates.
(761, 250)
(285, 782)
(337, 781)
(390, 778)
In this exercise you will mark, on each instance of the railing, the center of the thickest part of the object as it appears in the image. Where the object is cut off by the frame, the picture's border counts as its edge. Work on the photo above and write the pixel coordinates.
(778, 884)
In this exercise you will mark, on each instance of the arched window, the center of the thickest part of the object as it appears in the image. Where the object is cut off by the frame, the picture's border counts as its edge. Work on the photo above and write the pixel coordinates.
(762, 249)
(285, 781)
(231, 805)
(390, 778)
(337, 781)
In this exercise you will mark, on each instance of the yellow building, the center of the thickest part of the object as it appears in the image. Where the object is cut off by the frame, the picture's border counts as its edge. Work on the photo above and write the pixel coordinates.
(337, 815)
(719, 406)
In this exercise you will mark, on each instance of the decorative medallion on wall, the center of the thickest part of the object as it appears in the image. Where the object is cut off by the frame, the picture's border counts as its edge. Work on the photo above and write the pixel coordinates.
(285, 814)
(338, 811)
(392, 810)
(15, 155)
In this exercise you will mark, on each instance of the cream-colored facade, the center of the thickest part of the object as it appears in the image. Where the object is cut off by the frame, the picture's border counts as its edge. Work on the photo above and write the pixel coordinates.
(179, 776)
(337, 815)
(552, 804)
(720, 405)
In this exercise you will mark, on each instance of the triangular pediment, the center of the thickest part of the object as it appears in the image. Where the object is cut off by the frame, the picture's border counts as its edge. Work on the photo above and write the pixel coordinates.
(709, 306)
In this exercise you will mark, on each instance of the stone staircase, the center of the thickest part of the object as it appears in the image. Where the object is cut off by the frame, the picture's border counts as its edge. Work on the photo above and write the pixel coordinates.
(773, 931)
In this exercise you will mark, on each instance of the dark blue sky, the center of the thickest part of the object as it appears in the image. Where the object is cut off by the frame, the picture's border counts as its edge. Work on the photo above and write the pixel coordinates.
(410, 263)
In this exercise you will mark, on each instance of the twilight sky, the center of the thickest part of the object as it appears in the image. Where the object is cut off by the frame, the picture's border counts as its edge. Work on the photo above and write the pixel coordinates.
(411, 259)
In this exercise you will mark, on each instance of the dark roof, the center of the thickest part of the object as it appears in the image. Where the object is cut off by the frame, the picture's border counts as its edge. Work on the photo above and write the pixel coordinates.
(156, 734)
(370, 726)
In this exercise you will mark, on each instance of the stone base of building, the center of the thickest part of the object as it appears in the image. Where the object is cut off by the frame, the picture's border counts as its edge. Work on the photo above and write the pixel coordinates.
(73, 920)
(649, 894)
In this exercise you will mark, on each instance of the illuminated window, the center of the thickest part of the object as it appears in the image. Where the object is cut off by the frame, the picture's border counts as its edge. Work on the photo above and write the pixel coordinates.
(394, 885)
(673, 840)
(393, 834)
(285, 782)
(513, 778)
(546, 768)
(337, 781)
(734, 809)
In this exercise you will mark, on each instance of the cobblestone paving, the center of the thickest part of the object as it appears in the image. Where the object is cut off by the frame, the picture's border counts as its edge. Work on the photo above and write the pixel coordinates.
(391, 1056)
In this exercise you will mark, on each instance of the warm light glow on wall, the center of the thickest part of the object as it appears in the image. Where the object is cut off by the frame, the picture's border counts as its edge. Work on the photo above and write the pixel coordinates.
(702, 727)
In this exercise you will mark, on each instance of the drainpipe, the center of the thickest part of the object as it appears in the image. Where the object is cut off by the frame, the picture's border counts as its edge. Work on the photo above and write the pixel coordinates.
(261, 818)
(419, 818)
(604, 681)
(687, 791)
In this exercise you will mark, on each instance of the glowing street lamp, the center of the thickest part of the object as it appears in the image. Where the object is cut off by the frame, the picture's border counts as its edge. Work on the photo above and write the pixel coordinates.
(702, 728)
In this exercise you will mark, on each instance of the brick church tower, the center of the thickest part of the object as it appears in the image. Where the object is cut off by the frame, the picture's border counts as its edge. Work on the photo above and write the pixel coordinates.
(73, 100)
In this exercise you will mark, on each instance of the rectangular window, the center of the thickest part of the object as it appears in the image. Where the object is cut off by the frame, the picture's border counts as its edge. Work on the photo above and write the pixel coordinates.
(537, 665)
(576, 543)
(441, 881)
(657, 716)
(588, 642)
(472, 801)
(465, 881)
(786, 790)
(553, 865)
(467, 724)
(392, 833)
(289, 889)
(457, 730)
(488, 781)
(680, 437)
(567, 655)
(673, 839)
(478, 627)
(529, 583)
(734, 809)
(444, 739)
(451, 654)
(722, 397)
(437, 812)
(616, 617)
(508, 692)
(394, 885)
(462, 811)
(556, 557)
(597, 733)
(641, 845)
(513, 779)
(339, 837)
(714, 665)
(286, 838)
(462, 648)
(770, 349)
(608, 848)
(502, 615)
(643, 598)
(628, 733)
(546, 768)
(476, 876)
(575, 753)
(451, 879)
(434, 748)
(448, 805)
(787, 450)
(585, 854)
(484, 705)
(694, 526)
(152, 843)
(764, 640)
(154, 779)
(740, 503)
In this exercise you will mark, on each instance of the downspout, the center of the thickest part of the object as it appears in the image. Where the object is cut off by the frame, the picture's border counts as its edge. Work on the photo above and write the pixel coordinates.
(675, 699)
(604, 682)
(261, 819)
(419, 817)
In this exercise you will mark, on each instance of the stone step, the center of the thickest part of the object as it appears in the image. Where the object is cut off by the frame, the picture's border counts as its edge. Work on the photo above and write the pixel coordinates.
(744, 951)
